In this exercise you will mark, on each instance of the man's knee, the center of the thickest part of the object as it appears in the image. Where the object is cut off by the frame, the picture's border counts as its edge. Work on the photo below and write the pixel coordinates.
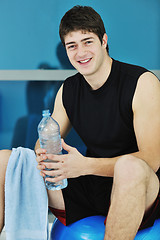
(4, 155)
(130, 169)
(4, 158)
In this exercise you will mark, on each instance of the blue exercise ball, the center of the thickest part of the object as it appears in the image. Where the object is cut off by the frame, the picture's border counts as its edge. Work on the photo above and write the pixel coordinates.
(93, 228)
(152, 233)
(90, 228)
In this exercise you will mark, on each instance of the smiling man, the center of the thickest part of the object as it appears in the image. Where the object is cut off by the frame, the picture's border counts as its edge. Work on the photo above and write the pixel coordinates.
(115, 108)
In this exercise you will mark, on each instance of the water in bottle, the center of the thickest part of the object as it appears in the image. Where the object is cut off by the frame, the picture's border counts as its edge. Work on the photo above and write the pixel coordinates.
(50, 139)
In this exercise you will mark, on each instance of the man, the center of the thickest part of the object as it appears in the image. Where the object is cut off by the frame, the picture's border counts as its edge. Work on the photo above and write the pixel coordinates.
(115, 108)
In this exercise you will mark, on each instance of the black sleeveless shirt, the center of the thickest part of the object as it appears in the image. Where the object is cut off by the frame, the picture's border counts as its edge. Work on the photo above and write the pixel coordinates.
(103, 118)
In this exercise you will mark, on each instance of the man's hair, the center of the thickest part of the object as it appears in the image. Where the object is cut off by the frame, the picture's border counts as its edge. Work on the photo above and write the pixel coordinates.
(82, 18)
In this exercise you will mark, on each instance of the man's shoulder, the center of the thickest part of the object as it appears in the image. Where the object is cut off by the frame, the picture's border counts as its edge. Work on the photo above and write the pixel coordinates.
(147, 91)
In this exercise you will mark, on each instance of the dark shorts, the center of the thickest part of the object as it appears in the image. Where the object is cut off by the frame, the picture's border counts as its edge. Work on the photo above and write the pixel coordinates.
(89, 196)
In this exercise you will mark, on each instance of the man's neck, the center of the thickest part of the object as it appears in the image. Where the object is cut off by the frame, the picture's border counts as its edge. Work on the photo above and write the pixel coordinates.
(97, 79)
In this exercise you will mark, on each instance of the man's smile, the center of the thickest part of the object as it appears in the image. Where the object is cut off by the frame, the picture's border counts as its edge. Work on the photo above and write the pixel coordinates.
(84, 61)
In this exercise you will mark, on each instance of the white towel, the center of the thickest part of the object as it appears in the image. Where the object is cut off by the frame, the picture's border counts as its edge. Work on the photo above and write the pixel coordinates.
(26, 200)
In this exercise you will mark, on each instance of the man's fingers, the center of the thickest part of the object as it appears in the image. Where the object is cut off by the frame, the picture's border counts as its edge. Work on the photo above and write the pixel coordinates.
(41, 158)
(55, 179)
(52, 173)
(41, 167)
(40, 151)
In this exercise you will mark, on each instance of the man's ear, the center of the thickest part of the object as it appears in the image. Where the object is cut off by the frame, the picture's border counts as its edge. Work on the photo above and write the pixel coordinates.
(104, 40)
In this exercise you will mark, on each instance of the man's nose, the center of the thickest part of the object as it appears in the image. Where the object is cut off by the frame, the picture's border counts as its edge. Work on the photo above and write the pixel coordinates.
(81, 51)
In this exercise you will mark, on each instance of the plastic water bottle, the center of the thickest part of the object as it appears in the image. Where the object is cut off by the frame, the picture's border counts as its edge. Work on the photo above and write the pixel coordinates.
(50, 139)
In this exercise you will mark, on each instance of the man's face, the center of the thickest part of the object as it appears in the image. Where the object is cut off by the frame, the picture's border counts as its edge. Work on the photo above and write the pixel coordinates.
(85, 51)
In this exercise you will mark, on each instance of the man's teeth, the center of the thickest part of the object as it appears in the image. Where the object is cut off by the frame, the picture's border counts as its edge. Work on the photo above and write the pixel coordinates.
(84, 61)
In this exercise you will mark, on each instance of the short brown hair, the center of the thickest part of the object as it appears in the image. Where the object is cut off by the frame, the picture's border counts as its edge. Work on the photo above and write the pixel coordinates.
(82, 18)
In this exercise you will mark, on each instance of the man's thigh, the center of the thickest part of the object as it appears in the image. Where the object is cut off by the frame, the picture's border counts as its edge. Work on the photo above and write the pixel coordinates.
(55, 199)
(137, 171)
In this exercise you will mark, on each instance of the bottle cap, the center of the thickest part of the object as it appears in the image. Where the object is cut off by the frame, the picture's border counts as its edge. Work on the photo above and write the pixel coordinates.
(46, 113)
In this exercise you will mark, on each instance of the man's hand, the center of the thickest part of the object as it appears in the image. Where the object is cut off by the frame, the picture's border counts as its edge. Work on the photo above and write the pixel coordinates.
(69, 165)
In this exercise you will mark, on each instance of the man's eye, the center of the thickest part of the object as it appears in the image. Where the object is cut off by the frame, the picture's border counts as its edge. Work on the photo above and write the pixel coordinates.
(71, 47)
(88, 42)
